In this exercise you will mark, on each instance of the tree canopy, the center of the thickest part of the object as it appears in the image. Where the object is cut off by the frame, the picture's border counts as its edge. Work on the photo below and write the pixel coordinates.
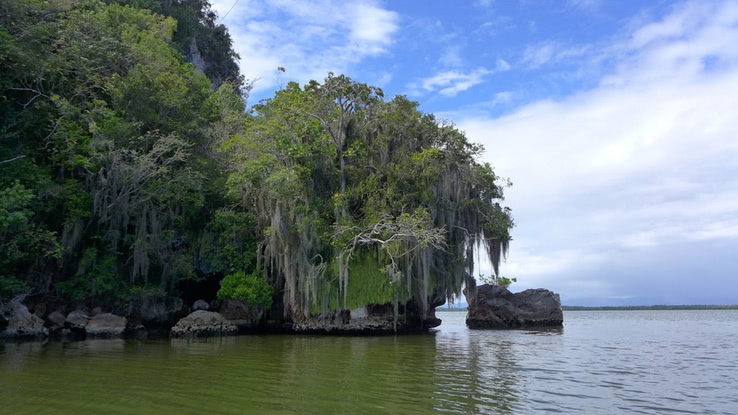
(124, 167)
(334, 172)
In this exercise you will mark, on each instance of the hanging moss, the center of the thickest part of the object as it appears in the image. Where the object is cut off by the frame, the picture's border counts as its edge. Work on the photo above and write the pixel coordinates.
(399, 185)
(367, 284)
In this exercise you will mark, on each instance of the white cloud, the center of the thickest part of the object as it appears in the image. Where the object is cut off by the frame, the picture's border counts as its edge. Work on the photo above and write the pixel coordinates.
(450, 83)
(451, 56)
(483, 3)
(545, 53)
(383, 80)
(372, 27)
(646, 160)
(584, 4)
(453, 82)
(309, 39)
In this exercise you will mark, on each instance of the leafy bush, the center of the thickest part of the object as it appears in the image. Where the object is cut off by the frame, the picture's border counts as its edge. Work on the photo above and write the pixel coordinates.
(250, 288)
(497, 280)
(21, 240)
(228, 245)
(10, 287)
(99, 284)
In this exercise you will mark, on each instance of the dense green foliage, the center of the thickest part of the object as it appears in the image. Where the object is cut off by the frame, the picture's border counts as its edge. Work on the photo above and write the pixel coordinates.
(198, 32)
(250, 288)
(333, 171)
(125, 169)
(106, 154)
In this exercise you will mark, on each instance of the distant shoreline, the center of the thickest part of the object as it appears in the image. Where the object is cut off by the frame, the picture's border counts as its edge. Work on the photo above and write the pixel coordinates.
(650, 307)
(628, 308)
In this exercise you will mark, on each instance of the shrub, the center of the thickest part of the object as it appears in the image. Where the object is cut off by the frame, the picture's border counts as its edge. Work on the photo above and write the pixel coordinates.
(250, 288)
(10, 287)
(497, 280)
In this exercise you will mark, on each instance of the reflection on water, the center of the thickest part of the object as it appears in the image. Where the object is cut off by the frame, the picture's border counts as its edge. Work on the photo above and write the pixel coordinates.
(600, 363)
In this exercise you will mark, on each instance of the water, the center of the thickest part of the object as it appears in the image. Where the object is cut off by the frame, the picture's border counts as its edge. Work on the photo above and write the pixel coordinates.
(652, 362)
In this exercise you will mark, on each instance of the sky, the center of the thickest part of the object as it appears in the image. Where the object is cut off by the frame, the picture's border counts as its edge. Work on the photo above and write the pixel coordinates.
(617, 123)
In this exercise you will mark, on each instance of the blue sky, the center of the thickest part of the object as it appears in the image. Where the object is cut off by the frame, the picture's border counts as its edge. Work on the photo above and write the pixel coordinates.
(617, 122)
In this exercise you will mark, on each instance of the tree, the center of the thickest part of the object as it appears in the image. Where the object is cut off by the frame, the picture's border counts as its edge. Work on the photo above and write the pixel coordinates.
(393, 184)
(110, 133)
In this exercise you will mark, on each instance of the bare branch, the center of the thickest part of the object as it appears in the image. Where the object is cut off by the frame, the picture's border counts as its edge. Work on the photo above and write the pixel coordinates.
(13, 159)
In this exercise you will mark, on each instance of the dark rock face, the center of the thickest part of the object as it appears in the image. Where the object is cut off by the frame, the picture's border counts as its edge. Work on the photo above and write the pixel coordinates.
(136, 330)
(245, 316)
(77, 320)
(200, 305)
(494, 307)
(20, 323)
(40, 310)
(106, 325)
(55, 321)
(214, 305)
(150, 310)
(204, 323)
(181, 311)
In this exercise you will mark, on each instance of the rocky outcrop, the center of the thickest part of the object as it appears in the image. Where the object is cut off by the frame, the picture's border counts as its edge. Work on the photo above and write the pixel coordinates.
(204, 323)
(494, 307)
(195, 58)
(245, 316)
(200, 305)
(370, 319)
(106, 325)
(20, 323)
(150, 310)
(40, 310)
(77, 320)
(55, 321)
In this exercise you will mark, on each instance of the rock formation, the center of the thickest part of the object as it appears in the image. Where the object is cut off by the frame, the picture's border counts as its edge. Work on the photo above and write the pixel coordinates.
(55, 320)
(204, 323)
(106, 325)
(20, 323)
(245, 316)
(151, 310)
(200, 305)
(370, 319)
(77, 320)
(494, 307)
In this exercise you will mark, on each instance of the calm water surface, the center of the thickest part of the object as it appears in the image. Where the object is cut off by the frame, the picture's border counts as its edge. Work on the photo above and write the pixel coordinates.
(653, 362)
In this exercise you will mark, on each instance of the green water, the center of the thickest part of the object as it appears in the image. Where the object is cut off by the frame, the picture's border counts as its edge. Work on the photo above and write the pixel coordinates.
(254, 374)
(652, 362)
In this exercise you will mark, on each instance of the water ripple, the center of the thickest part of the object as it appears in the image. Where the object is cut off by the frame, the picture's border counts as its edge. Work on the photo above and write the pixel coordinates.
(601, 363)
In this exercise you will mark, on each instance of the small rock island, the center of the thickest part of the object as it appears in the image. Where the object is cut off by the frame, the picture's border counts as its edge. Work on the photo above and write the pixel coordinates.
(495, 307)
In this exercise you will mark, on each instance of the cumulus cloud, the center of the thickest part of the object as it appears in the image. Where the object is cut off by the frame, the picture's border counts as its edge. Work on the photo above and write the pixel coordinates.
(644, 162)
(309, 39)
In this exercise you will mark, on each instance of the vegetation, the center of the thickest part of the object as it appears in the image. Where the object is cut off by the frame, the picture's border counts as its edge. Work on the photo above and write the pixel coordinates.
(106, 156)
(126, 169)
(333, 171)
(497, 280)
(250, 288)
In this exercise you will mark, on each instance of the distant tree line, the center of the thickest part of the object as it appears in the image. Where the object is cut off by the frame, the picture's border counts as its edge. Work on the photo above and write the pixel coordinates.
(652, 307)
